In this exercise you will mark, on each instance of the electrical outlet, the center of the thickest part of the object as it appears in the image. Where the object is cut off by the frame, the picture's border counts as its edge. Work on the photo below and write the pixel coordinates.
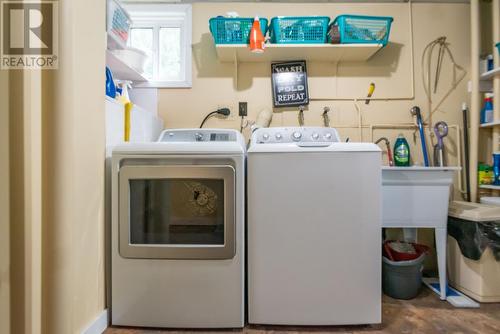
(242, 109)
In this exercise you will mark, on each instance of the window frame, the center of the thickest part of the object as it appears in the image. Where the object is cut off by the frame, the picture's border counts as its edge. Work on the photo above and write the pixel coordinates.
(157, 16)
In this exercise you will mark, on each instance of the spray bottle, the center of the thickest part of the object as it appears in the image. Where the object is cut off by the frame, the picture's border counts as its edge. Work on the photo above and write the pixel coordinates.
(123, 86)
(487, 111)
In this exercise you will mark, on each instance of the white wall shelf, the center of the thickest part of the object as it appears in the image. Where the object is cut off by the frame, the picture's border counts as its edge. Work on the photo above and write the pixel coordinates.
(489, 186)
(490, 125)
(121, 70)
(490, 74)
(310, 52)
(485, 86)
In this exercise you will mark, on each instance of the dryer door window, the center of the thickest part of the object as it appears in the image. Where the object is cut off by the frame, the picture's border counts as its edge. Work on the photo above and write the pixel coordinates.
(177, 212)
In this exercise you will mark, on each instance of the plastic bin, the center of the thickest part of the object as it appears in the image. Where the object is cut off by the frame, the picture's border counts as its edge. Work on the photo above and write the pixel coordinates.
(234, 30)
(490, 200)
(392, 254)
(299, 29)
(479, 279)
(363, 29)
(402, 279)
(118, 21)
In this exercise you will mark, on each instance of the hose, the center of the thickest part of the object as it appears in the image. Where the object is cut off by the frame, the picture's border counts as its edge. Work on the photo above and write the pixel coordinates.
(388, 147)
(426, 74)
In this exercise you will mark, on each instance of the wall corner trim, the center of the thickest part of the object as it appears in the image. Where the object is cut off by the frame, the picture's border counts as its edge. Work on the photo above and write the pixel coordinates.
(99, 325)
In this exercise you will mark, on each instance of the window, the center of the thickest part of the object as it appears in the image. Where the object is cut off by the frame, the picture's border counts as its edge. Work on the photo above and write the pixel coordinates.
(164, 32)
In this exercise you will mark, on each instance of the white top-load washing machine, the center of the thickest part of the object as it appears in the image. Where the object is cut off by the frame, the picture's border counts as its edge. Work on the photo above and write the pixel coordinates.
(314, 228)
(177, 234)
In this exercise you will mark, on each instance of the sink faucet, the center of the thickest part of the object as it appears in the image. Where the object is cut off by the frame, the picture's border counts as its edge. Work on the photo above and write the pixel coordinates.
(388, 145)
(301, 116)
(326, 118)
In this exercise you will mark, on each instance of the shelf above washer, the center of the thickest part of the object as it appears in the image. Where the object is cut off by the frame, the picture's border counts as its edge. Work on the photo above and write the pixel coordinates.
(309, 52)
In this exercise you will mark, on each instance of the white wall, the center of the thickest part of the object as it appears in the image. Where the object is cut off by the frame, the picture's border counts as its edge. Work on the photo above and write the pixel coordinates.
(73, 172)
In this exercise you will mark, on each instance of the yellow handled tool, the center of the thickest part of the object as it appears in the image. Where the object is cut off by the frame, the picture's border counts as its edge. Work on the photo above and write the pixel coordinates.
(370, 93)
(128, 110)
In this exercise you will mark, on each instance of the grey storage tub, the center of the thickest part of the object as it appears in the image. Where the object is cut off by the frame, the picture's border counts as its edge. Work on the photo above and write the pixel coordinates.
(402, 279)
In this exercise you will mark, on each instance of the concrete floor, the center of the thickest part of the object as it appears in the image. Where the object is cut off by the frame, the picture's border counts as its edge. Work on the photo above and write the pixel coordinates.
(425, 314)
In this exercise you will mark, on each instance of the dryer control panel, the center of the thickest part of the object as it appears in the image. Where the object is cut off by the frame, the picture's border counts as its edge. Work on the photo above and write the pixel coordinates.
(300, 135)
(198, 135)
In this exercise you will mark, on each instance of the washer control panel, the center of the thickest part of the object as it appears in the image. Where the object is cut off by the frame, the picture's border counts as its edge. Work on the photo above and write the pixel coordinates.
(197, 135)
(296, 135)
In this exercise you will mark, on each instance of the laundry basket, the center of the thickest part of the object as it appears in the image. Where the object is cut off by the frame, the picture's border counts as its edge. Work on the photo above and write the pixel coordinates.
(363, 29)
(118, 21)
(299, 29)
(234, 30)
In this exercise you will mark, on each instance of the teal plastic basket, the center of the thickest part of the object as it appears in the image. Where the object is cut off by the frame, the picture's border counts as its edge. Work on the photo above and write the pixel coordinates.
(233, 30)
(363, 29)
(299, 29)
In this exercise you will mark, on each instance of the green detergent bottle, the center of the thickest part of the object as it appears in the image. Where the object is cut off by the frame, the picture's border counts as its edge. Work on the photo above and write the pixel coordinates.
(401, 152)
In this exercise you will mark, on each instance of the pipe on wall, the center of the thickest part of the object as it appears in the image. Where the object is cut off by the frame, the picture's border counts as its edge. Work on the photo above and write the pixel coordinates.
(475, 96)
(495, 12)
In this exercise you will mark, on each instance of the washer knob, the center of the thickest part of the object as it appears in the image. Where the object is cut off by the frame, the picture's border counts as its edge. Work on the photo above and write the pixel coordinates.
(315, 136)
(198, 136)
(296, 136)
(278, 136)
(328, 136)
(265, 137)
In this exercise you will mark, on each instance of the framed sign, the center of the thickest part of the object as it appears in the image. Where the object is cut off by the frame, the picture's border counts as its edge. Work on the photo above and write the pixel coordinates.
(289, 80)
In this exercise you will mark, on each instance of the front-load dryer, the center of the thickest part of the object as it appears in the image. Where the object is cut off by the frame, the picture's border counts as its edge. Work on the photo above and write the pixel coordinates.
(314, 228)
(177, 234)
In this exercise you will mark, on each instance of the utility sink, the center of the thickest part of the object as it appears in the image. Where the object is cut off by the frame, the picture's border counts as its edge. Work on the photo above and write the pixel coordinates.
(414, 197)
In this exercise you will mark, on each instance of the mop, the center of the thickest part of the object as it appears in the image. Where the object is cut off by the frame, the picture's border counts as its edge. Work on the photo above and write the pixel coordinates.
(454, 297)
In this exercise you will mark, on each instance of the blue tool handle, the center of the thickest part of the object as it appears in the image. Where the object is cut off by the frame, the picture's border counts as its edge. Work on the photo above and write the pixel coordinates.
(422, 139)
